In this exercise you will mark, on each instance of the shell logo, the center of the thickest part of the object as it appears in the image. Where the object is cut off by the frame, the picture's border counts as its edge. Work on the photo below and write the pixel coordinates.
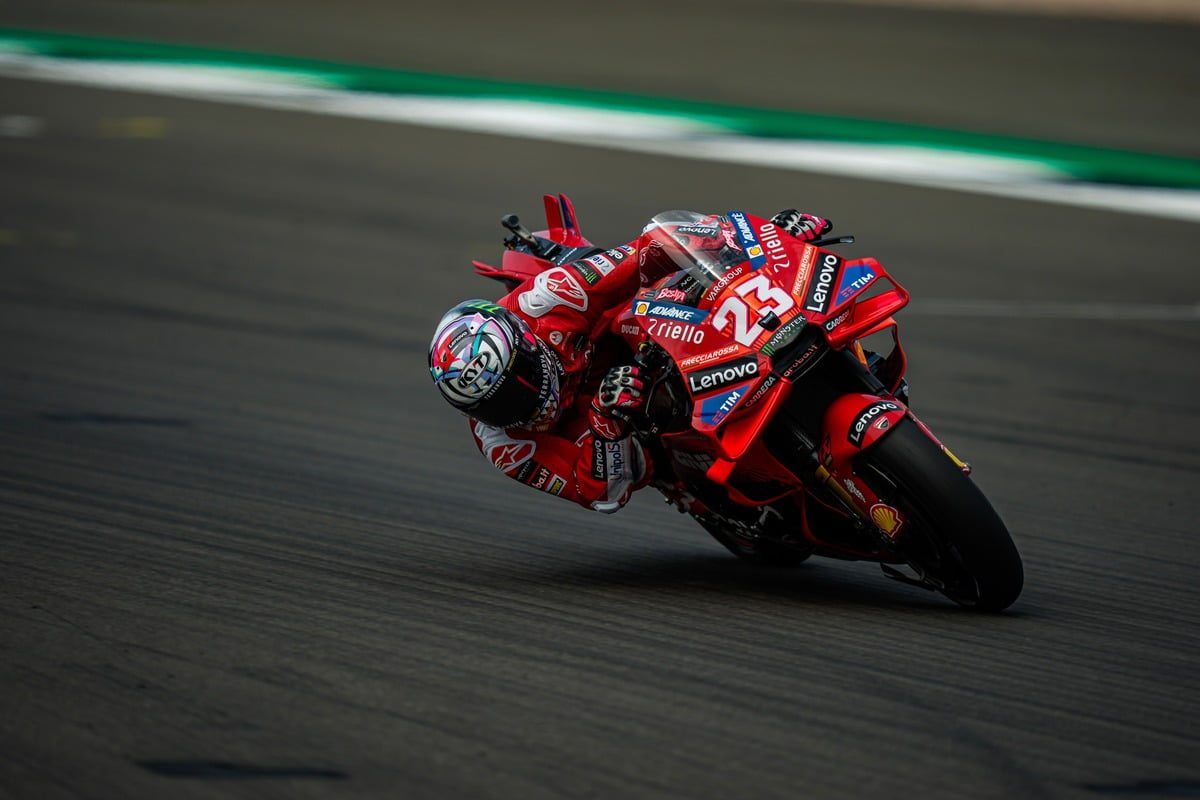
(641, 308)
(887, 519)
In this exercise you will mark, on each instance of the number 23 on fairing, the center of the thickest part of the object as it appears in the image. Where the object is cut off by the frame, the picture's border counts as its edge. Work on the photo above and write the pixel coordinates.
(736, 311)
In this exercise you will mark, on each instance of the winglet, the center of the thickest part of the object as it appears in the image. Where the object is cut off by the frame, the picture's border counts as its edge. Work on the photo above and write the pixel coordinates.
(554, 218)
(560, 217)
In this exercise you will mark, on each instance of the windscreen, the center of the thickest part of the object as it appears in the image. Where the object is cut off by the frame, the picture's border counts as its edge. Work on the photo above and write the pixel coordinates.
(705, 246)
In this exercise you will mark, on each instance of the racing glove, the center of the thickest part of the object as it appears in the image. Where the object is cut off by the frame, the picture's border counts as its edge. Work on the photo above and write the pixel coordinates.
(805, 227)
(619, 396)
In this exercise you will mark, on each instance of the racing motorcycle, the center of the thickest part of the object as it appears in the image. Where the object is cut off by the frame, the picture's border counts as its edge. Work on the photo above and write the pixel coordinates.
(766, 419)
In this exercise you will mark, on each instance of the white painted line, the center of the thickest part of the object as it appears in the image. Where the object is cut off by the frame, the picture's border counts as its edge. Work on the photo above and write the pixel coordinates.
(658, 134)
(181, 80)
(1016, 309)
(521, 118)
(1019, 179)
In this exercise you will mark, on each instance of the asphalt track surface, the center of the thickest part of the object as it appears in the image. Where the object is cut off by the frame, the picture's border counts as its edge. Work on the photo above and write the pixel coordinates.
(245, 551)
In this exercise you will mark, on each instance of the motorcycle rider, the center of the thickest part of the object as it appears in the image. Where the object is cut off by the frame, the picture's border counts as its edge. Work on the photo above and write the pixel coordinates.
(549, 401)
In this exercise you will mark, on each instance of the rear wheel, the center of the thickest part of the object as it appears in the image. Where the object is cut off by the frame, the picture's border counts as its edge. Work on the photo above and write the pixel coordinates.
(953, 536)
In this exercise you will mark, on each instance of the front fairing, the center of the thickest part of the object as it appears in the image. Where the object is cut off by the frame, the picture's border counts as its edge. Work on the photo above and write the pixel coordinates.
(728, 296)
(722, 350)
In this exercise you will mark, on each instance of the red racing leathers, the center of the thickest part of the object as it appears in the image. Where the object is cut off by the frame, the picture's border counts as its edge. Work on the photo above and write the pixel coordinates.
(565, 307)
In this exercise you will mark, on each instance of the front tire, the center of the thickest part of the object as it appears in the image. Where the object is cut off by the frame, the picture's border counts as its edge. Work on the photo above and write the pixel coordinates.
(953, 534)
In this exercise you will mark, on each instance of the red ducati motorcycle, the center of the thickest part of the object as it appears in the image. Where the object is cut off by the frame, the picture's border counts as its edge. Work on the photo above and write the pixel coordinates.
(765, 418)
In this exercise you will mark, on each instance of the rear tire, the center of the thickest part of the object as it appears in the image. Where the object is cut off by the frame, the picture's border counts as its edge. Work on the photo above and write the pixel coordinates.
(952, 532)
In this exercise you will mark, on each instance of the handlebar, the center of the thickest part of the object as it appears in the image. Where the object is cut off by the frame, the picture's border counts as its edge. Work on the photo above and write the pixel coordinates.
(521, 236)
(847, 239)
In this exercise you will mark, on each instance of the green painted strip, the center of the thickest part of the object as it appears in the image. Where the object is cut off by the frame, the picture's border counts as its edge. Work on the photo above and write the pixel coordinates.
(1100, 165)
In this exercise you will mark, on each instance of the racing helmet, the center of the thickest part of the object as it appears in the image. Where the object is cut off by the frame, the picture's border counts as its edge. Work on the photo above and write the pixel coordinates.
(487, 363)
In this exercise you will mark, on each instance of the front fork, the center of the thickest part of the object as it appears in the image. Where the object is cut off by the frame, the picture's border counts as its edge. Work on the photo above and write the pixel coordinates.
(853, 423)
(849, 411)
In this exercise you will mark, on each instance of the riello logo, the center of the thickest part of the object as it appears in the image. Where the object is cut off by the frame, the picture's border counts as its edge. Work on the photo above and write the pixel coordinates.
(721, 375)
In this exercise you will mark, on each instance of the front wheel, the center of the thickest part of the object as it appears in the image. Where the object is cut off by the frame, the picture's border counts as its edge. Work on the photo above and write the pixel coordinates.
(953, 538)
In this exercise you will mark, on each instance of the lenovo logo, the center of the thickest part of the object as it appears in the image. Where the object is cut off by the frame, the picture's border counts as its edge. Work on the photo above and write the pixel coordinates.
(722, 375)
(822, 285)
(865, 417)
